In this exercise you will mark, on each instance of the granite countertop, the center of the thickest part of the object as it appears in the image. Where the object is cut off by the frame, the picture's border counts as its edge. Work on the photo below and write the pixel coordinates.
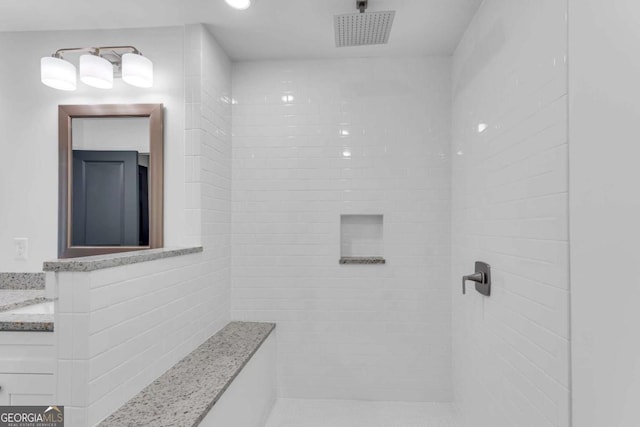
(99, 262)
(11, 299)
(22, 280)
(22, 322)
(183, 395)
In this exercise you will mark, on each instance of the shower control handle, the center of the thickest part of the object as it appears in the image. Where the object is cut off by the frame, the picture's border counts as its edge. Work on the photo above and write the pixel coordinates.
(475, 277)
(482, 277)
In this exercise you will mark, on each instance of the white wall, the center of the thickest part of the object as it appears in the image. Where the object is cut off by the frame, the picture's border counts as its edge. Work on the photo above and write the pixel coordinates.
(605, 207)
(29, 123)
(356, 332)
(511, 350)
(118, 329)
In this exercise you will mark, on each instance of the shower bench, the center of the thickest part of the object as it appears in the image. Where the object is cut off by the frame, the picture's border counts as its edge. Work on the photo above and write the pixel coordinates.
(229, 380)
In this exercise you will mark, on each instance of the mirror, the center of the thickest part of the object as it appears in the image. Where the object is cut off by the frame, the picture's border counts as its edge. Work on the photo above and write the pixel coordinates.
(111, 178)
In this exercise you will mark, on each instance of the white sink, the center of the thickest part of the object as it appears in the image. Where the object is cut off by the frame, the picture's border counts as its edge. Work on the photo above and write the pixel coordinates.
(41, 308)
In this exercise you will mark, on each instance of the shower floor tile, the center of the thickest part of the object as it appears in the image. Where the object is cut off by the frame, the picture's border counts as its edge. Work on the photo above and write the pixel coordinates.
(348, 413)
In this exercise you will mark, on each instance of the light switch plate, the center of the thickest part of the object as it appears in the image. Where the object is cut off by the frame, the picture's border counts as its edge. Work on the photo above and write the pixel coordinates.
(22, 248)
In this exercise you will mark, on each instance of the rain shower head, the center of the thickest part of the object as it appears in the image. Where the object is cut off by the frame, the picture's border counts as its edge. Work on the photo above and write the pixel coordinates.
(363, 28)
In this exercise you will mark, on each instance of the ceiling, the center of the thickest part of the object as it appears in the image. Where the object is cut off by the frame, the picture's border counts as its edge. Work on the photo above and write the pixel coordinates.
(271, 29)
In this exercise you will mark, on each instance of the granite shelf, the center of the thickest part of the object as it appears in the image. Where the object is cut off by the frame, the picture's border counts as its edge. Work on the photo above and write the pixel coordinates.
(365, 260)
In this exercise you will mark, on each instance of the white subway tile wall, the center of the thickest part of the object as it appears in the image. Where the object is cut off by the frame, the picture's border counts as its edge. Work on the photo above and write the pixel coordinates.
(208, 160)
(511, 351)
(316, 139)
(119, 329)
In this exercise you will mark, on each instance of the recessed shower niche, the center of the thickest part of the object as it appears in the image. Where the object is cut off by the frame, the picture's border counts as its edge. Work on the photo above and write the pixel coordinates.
(361, 239)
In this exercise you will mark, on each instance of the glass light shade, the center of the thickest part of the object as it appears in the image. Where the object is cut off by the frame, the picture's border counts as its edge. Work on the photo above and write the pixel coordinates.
(96, 71)
(137, 70)
(239, 4)
(58, 73)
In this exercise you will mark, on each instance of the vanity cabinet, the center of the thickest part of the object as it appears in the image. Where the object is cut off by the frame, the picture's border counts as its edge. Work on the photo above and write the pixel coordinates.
(27, 368)
(27, 389)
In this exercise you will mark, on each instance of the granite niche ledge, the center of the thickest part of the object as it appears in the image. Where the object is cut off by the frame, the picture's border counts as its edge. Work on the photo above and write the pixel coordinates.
(365, 260)
(100, 262)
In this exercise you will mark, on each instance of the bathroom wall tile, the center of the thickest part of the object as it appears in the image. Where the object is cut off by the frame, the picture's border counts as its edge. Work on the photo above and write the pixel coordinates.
(80, 330)
(79, 379)
(81, 293)
(76, 416)
(137, 328)
(509, 208)
(64, 389)
(125, 326)
(64, 284)
(313, 140)
(64, 335)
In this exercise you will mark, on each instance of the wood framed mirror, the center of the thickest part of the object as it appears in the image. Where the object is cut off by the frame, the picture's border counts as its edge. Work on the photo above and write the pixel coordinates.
(111, 178)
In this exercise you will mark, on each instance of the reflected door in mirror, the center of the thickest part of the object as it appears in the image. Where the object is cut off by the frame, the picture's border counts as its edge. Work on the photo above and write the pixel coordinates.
(110, 185)
(110, 203)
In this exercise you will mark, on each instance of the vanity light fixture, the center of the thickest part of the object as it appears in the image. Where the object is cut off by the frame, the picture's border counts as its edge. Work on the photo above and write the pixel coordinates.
(98, 65)
(239, 4)
(96, 71)
(137, 70)
(57, 73)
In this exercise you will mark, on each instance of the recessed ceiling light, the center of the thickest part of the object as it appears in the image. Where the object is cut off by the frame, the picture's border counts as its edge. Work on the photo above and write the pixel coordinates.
(239, 4)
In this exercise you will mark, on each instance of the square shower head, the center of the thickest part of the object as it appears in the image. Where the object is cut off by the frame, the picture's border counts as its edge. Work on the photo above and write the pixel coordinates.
(361, 29)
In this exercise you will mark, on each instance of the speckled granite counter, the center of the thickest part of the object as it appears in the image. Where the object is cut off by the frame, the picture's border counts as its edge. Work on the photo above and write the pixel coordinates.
(363, 260)
(100, 262)
(183, 395)
(11, 299)
(21, 280)
(26, 322)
